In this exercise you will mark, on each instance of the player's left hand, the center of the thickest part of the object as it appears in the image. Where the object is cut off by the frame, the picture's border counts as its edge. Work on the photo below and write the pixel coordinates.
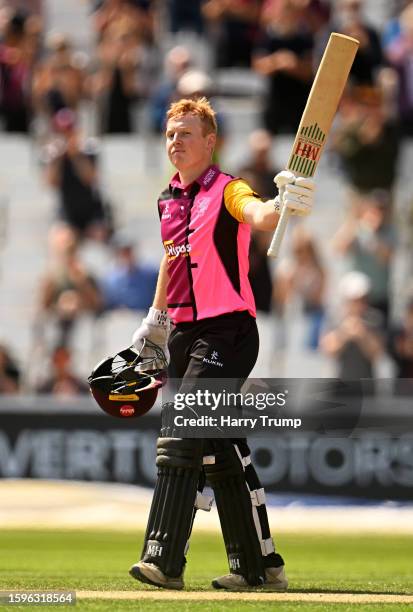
(296, 193)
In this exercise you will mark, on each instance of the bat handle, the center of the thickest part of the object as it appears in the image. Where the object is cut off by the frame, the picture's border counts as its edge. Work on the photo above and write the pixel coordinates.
(279, 233)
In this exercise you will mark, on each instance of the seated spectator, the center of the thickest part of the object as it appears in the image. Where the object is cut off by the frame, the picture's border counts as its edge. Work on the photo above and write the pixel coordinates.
(16, 61)
(284, 55)
(185, 16)
(114, 85)
(59, 81)
(128, 284)
(400, 56)
(136, 15)
(401, 346)
(368, 240)
(177, 62)
(303, 277)
(67, 291)
(315, 14)
(259, 273)
(391, 30)
(355, 342)
(9, 373)
(234, 28)
(392, 27)
(62, 382)
(349, 20)
(259, 170)
(33, 29)
(367, 140)
(72, 170)
(34, 7)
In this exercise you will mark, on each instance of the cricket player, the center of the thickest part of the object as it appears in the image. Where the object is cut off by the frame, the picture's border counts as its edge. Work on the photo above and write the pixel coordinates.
(204, 296)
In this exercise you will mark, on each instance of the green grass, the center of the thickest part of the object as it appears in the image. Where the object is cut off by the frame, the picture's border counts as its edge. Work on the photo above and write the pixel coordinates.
(214, 606)
(75, 560)
(235, 606)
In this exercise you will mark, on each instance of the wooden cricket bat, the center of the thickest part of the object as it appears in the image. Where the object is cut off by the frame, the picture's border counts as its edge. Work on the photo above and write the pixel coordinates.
(318, 116)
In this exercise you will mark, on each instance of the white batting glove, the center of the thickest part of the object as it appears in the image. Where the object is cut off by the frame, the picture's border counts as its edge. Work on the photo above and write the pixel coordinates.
(154, 327)
(296, 193)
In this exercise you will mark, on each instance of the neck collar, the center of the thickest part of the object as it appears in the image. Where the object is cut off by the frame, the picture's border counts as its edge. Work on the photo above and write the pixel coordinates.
(205, 180)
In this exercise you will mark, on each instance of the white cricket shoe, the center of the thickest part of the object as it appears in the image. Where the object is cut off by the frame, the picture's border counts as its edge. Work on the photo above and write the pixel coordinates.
(149, 573)
(275, 580)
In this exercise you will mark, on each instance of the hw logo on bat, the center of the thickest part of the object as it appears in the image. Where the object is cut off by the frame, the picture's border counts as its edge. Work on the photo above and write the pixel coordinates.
(307, 150)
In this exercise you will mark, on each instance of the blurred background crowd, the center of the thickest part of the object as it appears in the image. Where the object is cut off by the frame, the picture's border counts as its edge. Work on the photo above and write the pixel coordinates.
(84, 86)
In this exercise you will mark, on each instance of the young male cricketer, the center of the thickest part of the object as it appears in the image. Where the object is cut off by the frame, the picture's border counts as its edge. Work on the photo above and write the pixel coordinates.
(203, 289)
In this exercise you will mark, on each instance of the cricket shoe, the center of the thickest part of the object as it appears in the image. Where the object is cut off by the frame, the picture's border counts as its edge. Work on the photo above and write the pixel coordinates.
(149, 573)
(275, 580)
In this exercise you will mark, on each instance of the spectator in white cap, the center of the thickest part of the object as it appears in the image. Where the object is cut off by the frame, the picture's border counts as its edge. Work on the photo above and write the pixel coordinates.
(177, 62)
(368, 241)
(194, 83)
(355, 343)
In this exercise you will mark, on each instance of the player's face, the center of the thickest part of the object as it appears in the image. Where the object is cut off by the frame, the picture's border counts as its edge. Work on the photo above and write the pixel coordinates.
(187, 145)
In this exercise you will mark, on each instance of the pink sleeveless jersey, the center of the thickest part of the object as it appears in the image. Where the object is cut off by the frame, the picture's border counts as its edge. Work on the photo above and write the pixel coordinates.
(207, 250)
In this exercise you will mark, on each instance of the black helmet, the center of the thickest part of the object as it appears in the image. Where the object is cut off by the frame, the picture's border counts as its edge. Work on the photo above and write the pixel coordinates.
(127, 384)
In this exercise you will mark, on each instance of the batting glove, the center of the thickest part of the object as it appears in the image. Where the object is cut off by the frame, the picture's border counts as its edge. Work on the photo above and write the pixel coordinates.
(154, 327)
(296, 193)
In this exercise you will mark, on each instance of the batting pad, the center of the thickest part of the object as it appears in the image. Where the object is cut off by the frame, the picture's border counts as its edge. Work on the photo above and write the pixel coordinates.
(233, 500)
(179, 464)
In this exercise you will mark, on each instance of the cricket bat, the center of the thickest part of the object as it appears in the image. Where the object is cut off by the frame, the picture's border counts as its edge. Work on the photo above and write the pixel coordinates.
(318, 116)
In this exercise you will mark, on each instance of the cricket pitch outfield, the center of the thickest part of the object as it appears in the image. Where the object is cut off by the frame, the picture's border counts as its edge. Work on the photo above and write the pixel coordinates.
(83, 537)
(340, 572)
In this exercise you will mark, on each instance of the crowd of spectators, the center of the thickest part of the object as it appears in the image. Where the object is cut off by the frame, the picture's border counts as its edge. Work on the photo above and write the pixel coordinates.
(45, 81)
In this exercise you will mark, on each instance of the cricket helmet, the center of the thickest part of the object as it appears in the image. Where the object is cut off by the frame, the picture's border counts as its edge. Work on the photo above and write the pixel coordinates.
(127, 384)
